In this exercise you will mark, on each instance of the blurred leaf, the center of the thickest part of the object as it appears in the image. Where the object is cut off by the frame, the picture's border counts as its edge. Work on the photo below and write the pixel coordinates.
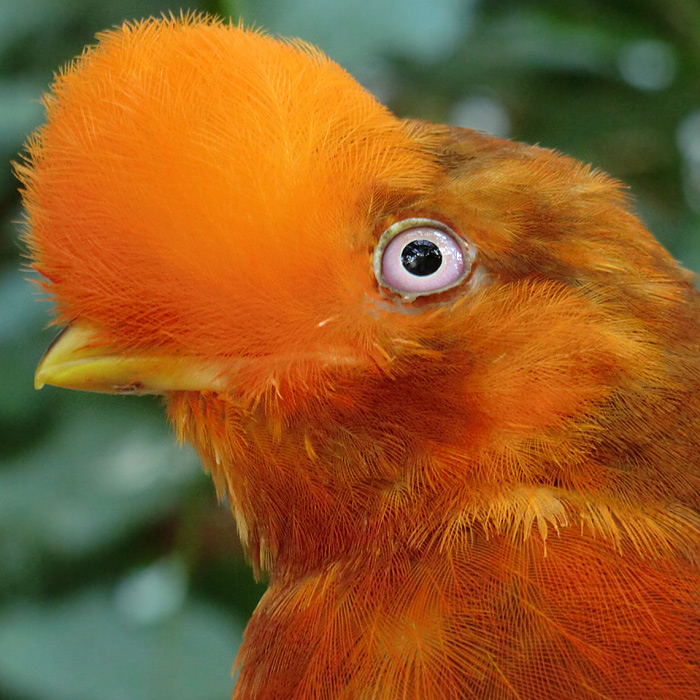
(88, 648)
(21, 110)
(20, 308)
(20, 16)
(21, 337)
(359, 34)
(532, 39)
(103, 472)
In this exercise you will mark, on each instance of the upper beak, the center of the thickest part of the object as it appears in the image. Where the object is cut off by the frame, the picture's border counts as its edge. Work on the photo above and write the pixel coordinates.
(77, 359)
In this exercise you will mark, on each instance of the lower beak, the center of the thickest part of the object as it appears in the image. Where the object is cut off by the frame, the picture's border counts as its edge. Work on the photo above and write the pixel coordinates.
(78, 359)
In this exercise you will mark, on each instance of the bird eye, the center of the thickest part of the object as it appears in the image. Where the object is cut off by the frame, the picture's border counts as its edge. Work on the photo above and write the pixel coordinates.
(420, 256)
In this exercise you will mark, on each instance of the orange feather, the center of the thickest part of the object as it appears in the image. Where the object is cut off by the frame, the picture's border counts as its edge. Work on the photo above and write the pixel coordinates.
(487, 490)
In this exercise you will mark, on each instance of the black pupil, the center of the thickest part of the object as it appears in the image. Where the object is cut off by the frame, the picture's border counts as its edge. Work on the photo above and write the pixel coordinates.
(421, 257)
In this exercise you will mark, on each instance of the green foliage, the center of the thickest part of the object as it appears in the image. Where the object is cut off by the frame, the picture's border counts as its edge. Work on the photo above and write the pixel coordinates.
(94, 646)
(120, 575)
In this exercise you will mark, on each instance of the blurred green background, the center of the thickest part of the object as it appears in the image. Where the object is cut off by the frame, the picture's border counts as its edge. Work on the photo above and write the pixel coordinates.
(121, 577)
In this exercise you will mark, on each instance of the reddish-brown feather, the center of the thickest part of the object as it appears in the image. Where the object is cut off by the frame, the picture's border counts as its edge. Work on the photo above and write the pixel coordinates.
(492, 492)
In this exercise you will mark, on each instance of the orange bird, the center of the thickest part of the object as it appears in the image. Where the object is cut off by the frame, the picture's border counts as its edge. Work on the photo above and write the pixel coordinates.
(448, 383)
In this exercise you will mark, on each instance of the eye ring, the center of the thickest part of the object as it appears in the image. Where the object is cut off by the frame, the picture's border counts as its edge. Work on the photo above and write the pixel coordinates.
(429, 234)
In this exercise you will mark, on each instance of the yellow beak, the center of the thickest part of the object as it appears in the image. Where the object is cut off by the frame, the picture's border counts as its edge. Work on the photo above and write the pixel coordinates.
(77, 360)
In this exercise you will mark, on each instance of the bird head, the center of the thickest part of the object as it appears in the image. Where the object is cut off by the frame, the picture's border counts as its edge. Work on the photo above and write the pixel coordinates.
(353, 317)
